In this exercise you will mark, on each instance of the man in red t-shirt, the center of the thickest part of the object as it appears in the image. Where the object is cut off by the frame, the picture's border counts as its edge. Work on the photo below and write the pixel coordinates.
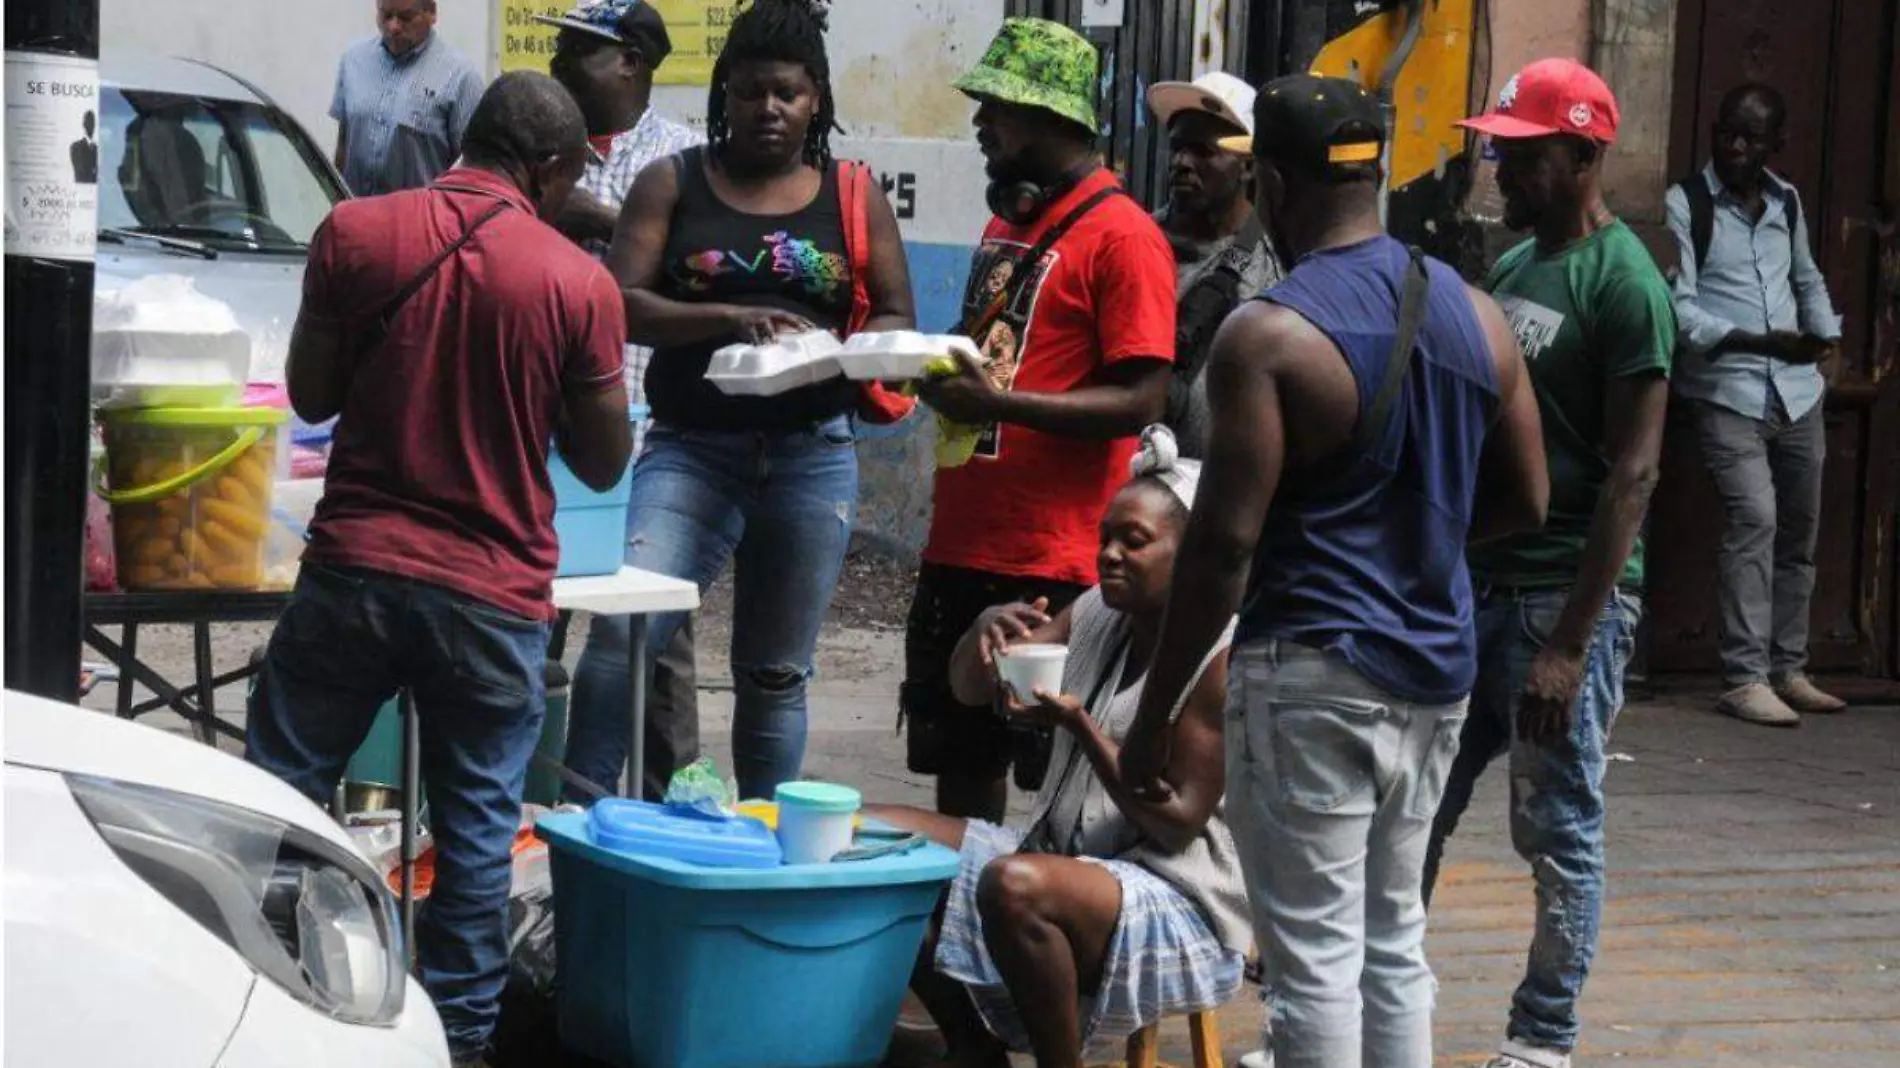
(456, 334)
(1079, 348)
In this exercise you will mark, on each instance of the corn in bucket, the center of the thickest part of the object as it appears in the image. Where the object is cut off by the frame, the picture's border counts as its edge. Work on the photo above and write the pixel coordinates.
(190, 490)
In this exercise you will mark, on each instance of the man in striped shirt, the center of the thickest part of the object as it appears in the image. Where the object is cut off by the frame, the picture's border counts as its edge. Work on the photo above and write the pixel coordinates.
(605, 57)
(402, 100)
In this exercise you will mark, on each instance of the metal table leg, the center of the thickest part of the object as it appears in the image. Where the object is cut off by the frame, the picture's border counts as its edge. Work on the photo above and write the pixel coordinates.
(637, 675)
(207, 711)
(411, 805)
(128, 656)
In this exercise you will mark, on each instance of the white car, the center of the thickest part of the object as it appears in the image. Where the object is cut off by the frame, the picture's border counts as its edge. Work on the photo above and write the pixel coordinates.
(167, 904)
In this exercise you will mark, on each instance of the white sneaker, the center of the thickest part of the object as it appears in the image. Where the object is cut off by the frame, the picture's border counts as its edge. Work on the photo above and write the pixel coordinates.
(1515, 1054)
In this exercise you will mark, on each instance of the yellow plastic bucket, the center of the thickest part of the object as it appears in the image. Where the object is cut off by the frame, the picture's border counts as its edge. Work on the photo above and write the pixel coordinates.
(190, 491)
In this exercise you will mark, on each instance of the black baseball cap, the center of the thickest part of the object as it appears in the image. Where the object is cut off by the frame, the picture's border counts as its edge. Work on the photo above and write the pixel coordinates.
(633, 24)
(1317, 124)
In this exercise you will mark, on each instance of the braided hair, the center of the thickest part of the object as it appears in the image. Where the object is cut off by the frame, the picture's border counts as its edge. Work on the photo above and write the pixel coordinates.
(782, 31)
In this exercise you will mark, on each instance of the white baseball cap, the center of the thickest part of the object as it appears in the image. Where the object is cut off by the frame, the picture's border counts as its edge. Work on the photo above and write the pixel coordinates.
(1218, 94)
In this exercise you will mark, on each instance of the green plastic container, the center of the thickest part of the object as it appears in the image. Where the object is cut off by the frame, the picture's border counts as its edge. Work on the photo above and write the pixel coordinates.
(378, 761)
(544, 786)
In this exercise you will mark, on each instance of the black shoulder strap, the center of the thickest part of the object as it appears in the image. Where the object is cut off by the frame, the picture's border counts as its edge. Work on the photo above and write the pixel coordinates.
(1418, 283)
(1026, 266)
(387, 315)
(1695, 189)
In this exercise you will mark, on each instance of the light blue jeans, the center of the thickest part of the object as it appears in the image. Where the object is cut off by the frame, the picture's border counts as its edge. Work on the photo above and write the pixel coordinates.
(1556, 795)
(779, 507)
(1331, 787)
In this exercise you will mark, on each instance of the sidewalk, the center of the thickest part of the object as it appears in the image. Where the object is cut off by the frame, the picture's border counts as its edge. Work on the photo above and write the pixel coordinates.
(1754, 910)
(1754, 901)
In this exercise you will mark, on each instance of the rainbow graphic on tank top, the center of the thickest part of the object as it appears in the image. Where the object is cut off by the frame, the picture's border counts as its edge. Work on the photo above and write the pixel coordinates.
(795, 259)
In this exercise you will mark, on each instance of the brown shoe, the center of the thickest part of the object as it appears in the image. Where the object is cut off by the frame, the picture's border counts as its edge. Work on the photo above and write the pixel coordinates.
(1757, 703)
(1801, 694)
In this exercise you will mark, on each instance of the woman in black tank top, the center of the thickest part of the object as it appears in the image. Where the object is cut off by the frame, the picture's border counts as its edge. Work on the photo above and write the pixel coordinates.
(742, 241)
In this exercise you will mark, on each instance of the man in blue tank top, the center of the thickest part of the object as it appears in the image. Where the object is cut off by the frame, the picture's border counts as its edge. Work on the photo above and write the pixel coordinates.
(1557, 607)
(1355, 651)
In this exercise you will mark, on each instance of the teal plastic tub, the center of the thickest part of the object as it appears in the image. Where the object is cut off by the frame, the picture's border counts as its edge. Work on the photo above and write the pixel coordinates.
(665, 964)
(591, 526)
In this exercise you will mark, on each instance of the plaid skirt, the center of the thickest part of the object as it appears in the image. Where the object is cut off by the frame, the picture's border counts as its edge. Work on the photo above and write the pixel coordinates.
(1163, 959)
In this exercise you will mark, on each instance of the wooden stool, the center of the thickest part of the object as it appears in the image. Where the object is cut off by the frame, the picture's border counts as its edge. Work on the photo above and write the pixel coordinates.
(1144, 1046)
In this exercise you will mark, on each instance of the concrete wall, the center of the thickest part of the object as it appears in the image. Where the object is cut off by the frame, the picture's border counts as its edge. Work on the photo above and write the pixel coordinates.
(1631, 43)
(288, 49)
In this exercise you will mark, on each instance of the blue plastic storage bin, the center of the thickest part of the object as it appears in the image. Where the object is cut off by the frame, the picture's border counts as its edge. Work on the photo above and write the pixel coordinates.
(671, 965)
(592, 527)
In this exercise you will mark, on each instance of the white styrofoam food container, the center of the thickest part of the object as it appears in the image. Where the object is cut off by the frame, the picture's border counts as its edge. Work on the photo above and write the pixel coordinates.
(786, 364)
(159, 342)
(900, 355)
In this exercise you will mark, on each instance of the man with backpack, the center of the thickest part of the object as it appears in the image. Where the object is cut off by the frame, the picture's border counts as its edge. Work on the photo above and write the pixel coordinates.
(1757, 330)
(1071, 300)
(1221, 252)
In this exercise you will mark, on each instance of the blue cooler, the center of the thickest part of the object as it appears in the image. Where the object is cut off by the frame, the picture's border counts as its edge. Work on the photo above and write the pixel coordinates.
(668, 964)
(591, 527)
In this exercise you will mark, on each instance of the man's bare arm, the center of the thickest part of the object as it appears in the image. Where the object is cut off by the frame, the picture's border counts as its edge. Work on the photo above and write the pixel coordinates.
(1514, 474)
(1245, 458)
(317, 371)
(1634, 410)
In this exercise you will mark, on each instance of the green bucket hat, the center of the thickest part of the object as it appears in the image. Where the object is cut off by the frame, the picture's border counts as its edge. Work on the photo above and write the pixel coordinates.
(1040, 64)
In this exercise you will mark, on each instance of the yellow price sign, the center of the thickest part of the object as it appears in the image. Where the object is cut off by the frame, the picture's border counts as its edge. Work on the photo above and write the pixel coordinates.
(524, 43)
(696, 27)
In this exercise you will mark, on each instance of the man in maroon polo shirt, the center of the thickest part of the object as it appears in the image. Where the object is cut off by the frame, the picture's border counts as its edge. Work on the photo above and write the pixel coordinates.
(457, 335)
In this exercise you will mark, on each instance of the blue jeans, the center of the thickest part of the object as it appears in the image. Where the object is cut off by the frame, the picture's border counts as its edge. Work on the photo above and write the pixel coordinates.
(349, 640)
(1556, 795)
(780, 507)
(1331, 787)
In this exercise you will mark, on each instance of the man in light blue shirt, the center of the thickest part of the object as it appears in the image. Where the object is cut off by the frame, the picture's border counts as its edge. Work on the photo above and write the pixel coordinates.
(402, 100)
(1757, 328)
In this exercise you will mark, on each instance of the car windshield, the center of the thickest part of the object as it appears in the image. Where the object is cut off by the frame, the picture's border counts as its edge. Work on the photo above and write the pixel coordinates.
(225, 173)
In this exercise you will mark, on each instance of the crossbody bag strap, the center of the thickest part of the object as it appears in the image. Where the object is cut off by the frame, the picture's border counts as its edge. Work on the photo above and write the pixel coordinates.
(1418, 283)
(1020, 277)
(387, 315)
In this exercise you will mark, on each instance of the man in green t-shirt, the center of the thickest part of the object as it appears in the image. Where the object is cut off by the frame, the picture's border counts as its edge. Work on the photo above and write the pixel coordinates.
(1557, 609)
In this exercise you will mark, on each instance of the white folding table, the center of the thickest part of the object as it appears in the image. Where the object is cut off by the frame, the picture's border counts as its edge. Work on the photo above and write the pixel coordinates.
(629, 592)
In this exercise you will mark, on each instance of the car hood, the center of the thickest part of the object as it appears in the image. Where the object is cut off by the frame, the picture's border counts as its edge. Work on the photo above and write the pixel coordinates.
(71, 740)
(263, 290)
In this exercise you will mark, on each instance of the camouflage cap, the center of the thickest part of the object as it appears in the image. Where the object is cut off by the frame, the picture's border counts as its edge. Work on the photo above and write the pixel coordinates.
(1040, 64)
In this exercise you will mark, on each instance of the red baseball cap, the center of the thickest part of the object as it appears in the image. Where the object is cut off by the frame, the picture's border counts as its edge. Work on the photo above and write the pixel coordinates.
(1552, 96)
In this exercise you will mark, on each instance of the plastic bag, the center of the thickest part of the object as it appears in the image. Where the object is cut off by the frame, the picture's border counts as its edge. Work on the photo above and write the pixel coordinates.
(293, 505)
(697, 786)
(956, 442)
(102, 568)
(160, 342)
(531, 962)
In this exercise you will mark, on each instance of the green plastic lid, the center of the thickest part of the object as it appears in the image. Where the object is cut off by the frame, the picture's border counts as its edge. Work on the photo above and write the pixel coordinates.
(820, 796)
(256, 416)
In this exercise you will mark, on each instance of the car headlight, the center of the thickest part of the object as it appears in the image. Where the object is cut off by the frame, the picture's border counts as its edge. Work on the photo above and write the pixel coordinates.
(308, 915)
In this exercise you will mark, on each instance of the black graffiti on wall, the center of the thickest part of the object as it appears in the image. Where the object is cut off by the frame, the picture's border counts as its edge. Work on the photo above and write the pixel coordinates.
(901, 188)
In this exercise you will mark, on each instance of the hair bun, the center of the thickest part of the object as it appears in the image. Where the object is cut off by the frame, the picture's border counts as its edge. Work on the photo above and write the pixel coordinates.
(1159, 453)
(1159, 458)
